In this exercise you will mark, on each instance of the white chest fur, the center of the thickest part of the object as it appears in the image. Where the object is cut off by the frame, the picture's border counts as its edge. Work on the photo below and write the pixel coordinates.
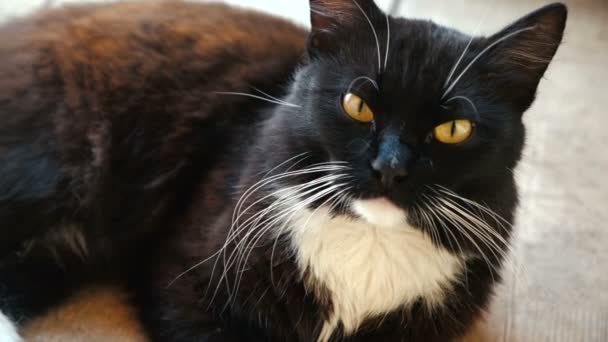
(373, 265)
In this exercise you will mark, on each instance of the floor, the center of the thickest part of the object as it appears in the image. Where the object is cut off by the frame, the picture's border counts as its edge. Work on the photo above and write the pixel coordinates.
(556, 286)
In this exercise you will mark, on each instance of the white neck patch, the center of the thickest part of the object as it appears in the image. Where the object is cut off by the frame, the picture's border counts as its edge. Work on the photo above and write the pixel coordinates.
(371, 266)
(8, 331)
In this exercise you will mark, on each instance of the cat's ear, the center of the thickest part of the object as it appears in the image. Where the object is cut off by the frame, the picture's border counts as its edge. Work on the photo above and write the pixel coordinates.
(328, 18)
(524, 49)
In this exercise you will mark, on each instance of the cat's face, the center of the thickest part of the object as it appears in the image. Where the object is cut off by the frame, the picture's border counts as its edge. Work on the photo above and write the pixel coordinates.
(410, 105)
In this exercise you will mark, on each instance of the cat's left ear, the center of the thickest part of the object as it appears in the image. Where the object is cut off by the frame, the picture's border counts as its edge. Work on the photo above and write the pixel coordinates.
(330, 18)
(523, 51)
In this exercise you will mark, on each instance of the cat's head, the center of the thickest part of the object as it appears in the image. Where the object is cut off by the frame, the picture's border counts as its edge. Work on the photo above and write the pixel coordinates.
(407, 108)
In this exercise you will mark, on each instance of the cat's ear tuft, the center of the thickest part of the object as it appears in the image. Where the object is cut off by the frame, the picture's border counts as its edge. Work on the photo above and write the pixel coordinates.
(525, 48)
(327, 17)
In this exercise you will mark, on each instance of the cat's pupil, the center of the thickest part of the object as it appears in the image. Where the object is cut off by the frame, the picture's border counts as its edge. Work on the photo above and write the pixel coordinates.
(453, 128)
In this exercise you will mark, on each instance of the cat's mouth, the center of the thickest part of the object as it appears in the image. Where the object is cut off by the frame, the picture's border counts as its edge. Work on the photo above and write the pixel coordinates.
(379, 211)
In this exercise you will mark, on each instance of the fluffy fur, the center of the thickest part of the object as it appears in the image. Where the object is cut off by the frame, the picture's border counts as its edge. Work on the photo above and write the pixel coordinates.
(144, 127)
(370, 269)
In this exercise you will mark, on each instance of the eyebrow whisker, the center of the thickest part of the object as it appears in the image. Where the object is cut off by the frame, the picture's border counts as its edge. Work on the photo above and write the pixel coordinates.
(482, 53)
(466, 48)
(366, 78)
(388, 40)
(466, 99)
(371, 25)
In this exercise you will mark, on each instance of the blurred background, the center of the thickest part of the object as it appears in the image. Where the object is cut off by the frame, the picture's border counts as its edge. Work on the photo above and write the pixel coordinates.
(556, 285)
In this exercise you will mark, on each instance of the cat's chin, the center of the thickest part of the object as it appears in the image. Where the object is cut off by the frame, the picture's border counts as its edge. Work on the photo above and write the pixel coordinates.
(379, 211)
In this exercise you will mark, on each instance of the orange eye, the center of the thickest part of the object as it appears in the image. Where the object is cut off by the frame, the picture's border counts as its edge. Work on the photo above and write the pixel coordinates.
(356, 108)
(454, 132)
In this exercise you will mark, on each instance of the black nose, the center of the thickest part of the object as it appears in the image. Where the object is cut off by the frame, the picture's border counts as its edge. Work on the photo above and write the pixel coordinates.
(388, 172)
(390, 165)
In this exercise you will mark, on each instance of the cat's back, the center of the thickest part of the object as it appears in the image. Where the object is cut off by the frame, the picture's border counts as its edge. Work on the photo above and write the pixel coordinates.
(95, 50)
(86, 88)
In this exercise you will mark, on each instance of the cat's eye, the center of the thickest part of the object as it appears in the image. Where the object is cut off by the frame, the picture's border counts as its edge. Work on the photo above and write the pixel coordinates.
(357, 108)
(454, 132)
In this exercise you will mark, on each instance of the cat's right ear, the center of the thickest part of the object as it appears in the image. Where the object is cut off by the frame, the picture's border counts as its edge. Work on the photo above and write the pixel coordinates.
(330, 17)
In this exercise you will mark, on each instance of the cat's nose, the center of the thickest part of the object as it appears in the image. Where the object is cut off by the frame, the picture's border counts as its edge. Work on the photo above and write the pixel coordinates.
(388, 171)
(390, 165)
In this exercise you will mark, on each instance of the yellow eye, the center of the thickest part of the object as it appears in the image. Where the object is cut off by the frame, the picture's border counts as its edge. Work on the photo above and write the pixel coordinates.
(454, 132)
(356, 108)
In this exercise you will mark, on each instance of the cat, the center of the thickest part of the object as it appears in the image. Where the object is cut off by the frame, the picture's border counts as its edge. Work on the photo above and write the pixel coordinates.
(251, 181)
(106, 118)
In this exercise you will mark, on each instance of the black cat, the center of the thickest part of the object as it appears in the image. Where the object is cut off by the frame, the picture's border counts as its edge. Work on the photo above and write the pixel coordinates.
(368, 199)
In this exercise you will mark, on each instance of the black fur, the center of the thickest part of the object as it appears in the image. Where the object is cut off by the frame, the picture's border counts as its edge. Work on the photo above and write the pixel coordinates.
(150, 161)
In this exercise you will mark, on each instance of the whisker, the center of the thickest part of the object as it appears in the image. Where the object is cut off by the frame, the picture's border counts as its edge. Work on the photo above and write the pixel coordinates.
(278, 235)
(289, 213)
(371, 25)
(303, 156)
(282, 103)
(268, 180)
(229, 239)
(488, 211)
(466, 48)
(190, 269)
(432, 214)
(483, 231)
(464, 98)
(292, 191)
(457, 223)
(238, 207)
(255, 220)
(474, 228)
(352, 83)
(269, 96)
(388, 40)
(482, 53)
(478, 226)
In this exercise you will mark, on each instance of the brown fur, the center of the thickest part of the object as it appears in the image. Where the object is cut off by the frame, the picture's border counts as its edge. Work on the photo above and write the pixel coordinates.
(116, 95)
(96, 314)
(103, 314)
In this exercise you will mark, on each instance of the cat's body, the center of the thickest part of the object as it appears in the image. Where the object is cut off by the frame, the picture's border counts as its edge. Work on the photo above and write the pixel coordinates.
(128, 154)
(109, 121)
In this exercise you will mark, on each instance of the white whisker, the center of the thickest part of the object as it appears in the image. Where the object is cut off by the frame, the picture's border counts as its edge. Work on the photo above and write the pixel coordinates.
(371, 25)
(291, 192)
(238, 207)
(496, 243)
(500, 220)
(466, 48)
(352, 83)
(482, 53)
(388, 40)
(259, 224)
(282, 103)
(280, 232)
(457, 222)
(451, 234)
(303, 156)
(321, 167)
(265, 181)
(464, 98)
(284, 216)
(270, 96)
